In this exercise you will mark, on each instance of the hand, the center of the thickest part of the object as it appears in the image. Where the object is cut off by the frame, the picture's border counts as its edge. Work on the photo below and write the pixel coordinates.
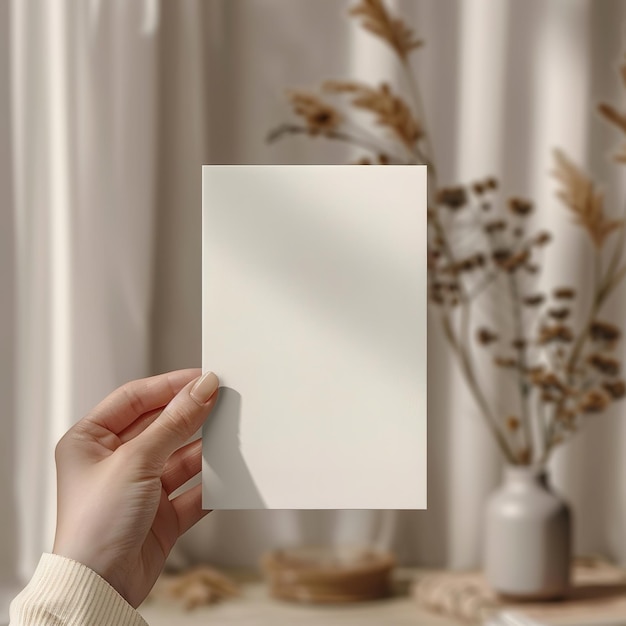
(116, 471)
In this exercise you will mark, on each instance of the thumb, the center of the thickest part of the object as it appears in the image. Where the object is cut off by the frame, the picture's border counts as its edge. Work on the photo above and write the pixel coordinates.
(179, 421)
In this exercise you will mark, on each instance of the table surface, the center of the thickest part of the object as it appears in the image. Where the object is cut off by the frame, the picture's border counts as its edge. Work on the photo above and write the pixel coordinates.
(254, 607)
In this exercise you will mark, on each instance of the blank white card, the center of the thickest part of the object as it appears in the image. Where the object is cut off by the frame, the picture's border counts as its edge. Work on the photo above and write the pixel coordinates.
(314, 319)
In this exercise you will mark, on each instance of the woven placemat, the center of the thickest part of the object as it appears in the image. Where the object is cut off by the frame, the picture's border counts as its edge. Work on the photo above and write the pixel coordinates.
(598, 592)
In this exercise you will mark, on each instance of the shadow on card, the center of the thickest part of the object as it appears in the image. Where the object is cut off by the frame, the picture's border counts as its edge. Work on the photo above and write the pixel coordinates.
(227, 478)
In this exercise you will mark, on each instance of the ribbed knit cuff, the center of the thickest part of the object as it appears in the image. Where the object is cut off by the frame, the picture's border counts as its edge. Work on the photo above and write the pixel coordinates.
(63, 592)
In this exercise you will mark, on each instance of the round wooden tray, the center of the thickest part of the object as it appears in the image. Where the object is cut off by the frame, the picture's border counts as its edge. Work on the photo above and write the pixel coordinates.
(328, 575)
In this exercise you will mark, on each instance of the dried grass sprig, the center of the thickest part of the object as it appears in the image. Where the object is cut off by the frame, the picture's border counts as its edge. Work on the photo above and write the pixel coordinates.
(615, 117)
(390, 110)
(321, 118)
(610, 113)
(377, 20)
(579, 194)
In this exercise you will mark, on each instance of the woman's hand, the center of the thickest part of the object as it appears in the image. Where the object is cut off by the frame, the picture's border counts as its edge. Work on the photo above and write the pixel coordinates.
(116, 471)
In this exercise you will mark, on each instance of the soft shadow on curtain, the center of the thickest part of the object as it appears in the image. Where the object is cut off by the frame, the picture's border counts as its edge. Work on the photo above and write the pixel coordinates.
(116, 105)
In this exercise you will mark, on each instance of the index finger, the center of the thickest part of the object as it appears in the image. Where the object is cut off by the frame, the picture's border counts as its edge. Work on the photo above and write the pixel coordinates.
(124, 405)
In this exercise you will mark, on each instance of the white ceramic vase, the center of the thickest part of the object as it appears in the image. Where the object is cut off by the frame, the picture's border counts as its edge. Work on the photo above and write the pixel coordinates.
(528, 537)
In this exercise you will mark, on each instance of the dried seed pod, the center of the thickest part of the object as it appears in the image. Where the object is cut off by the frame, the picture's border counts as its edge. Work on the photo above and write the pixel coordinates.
(454, 198)
(515, 261)
(494, 226)
(479, 188)
(501, 255)
(534, 300)
(604, 331)
(549, 398)
(594, 401)
(485, 336)
(437, 298)
(559, 314)
(466, 265)
(520, 206)
(507, 362)
(564, 293)
(542, 239)
(491, 183)
(558, 332)
(512, 423)
(615, 388)
(604, 364)
(548, 381)
(437, 292)
(450, 270)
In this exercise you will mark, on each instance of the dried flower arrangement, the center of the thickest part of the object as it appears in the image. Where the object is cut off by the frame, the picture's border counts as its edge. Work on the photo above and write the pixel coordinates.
(564, 372)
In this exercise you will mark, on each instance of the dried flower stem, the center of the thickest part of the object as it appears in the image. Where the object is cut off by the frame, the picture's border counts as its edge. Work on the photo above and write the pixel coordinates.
(606, 285)
(543, 422)
(523, 387)
(618, 250)
(467, 369)
(461, 344)
(489, 279)
(428, 158)
(597, 268)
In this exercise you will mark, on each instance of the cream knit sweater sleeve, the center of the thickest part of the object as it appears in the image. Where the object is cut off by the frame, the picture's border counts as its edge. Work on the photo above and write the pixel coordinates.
(63, 592)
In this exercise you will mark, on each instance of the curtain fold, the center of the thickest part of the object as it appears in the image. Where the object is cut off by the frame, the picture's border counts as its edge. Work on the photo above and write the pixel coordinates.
(84, 111)
(8, 552)
(116, 105)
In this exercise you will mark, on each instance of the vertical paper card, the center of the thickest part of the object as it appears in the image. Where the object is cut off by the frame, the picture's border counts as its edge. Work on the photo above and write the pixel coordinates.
(314, 318)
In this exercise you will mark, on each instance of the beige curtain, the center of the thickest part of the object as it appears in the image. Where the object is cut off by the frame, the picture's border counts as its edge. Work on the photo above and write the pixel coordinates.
(116, 105)
(7, 321)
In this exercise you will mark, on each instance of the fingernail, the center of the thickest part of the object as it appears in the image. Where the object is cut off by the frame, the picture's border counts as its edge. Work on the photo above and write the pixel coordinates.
(205, 388)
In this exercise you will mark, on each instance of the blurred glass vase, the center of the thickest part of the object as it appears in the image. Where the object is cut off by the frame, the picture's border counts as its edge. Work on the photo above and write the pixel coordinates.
(528, 540)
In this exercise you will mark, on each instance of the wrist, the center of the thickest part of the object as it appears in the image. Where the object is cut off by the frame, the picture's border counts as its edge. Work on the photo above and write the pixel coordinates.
(94, 560)
(63, 590)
